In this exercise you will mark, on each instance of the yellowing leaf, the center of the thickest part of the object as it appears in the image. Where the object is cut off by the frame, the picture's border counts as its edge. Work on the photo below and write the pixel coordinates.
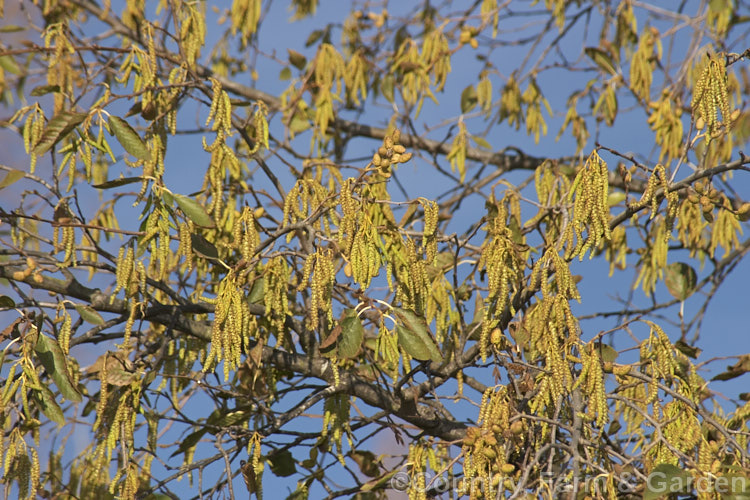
(12, 28)
(11, 177)
(481, 142)
(9, 64)
(608, 353)
(386, 88)
(331, 339)
(129, 138)
(615, 198)
(298, 123)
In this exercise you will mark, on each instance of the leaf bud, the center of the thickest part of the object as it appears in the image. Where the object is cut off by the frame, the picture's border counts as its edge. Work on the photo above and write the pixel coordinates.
(516, 427)
(496, 336)
(396, 136)
(743, 213)
(508, 468)
(148, 112)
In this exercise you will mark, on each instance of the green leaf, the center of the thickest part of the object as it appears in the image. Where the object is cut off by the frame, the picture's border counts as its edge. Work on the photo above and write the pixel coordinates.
(608, 353)
(285, 74)
(665, 479)
(121, 378)
(687, 349)
(740, 485)
(296, 59)
(741, 367)
(601, 59)
(615, 198)
(194, 210)
(386, 88)
(47, 404)
(122, 181)
(352, 335)
(6, 301)
(57, 129)
(468, 99)
(189, 442)
(89, 314)
(12, 28)
(11, 177)
(380, 482)
(298, 123)
(415, 337)
(680, 280)
(129, 138)
(282, 463)
(226, 419)
(44, 90)
(257, 293)
(54, 362)
(366, 461)
(314, 37)
(481, 142)
(203, 247)
(9, 64)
